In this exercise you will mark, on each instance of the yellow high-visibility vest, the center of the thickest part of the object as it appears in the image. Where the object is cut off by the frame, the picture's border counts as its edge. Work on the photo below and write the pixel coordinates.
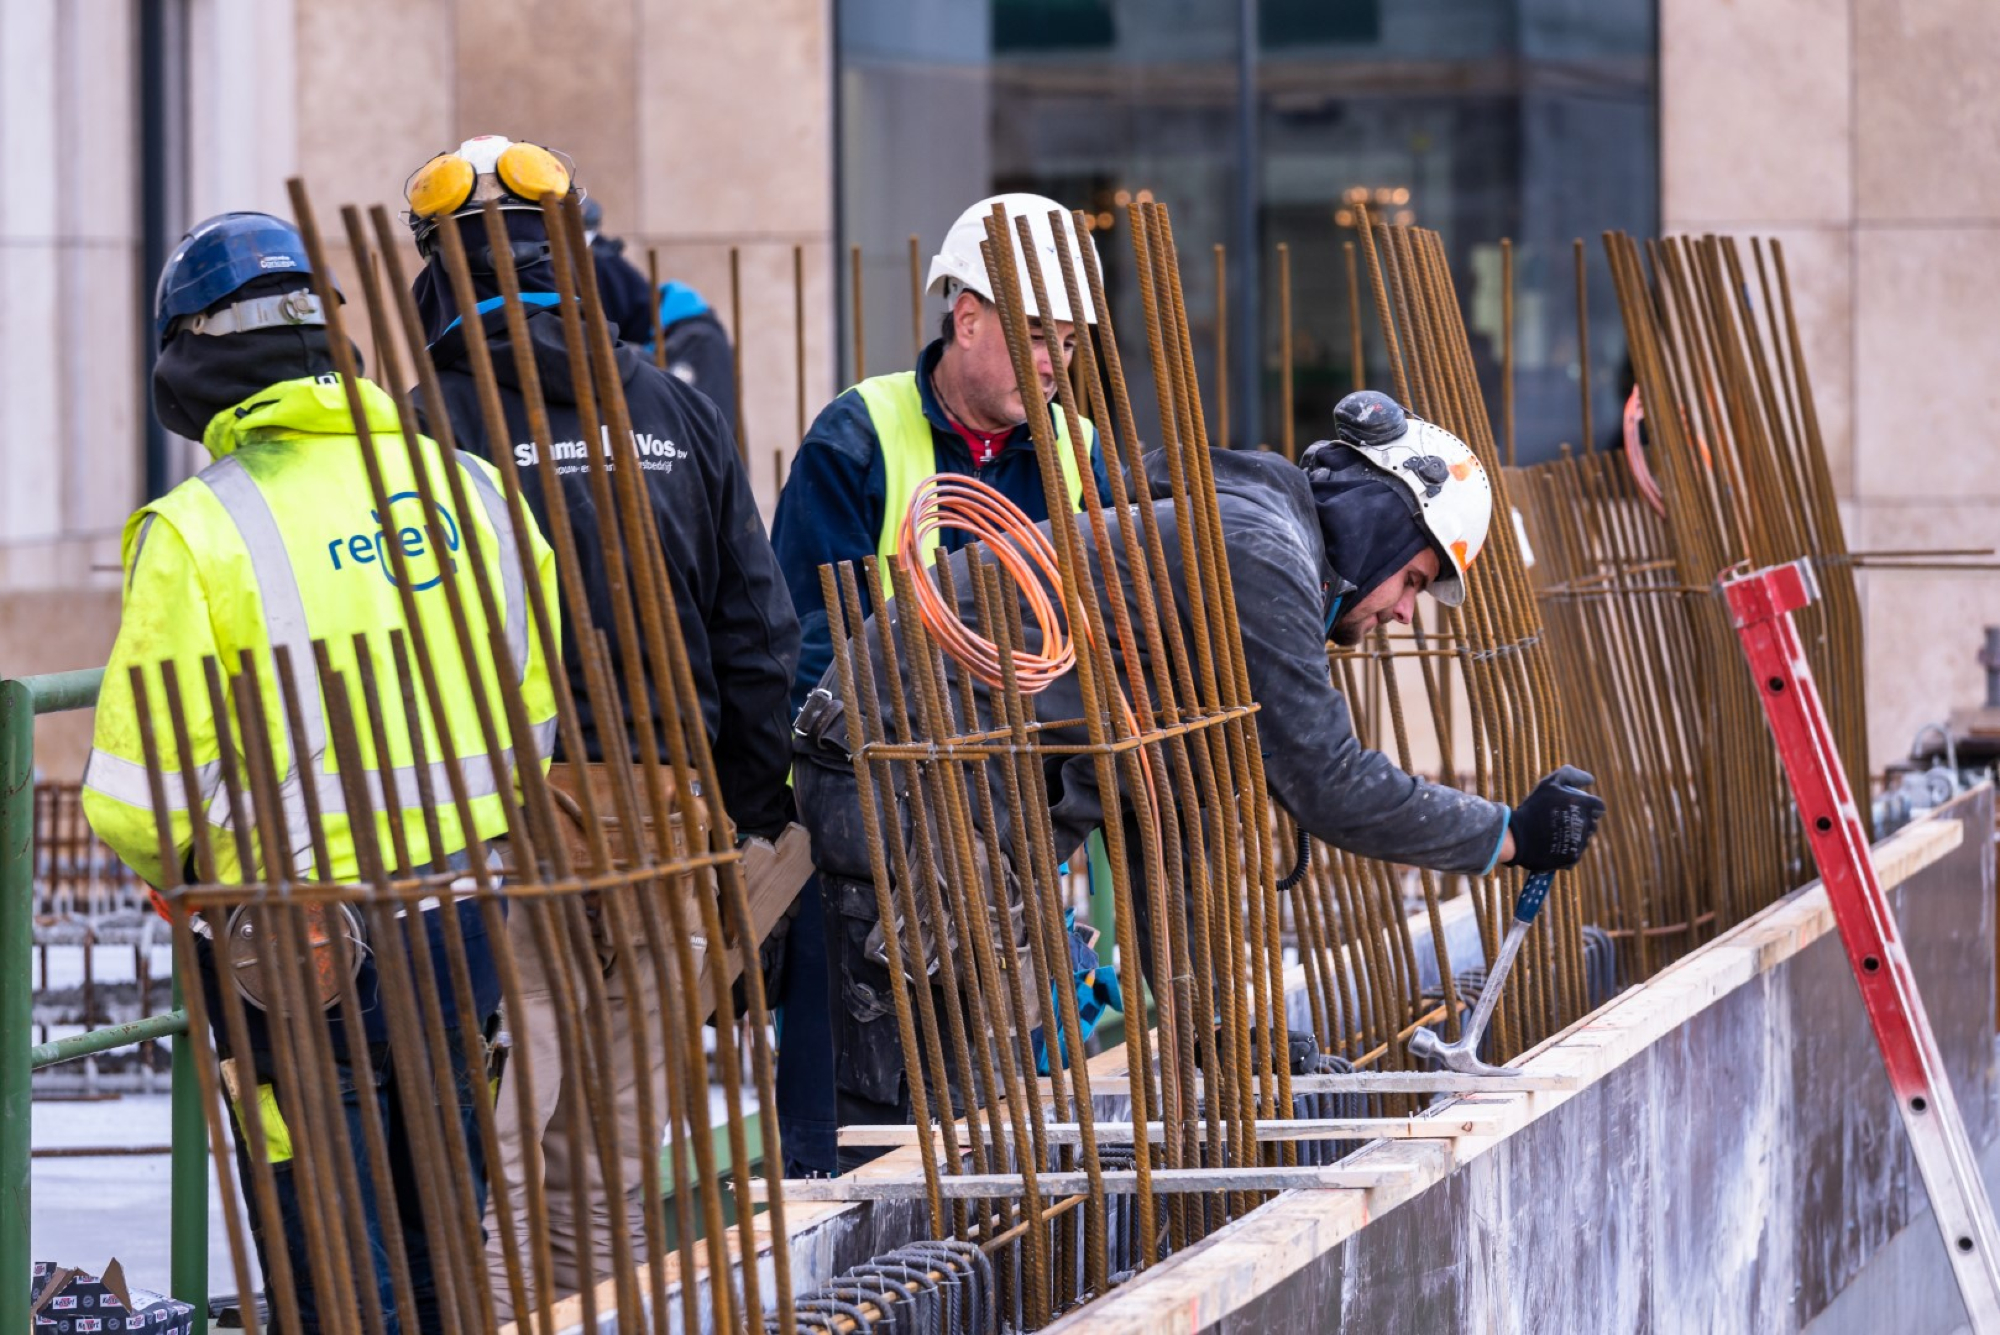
(278, 544)
(909, 455)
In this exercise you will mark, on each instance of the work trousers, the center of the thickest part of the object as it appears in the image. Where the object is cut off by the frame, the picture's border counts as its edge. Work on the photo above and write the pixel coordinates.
(411, 1191)
(870, 1084)
(806, 1119)
(533, 1024)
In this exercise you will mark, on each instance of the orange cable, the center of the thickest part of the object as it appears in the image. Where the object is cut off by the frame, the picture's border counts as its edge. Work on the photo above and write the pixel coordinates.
(1017, 543)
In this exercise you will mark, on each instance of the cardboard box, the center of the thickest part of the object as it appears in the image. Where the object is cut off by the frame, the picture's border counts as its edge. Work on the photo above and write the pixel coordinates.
(68, 1301)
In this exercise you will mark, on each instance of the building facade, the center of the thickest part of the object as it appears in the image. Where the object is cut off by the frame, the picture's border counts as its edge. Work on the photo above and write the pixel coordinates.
(790, 131)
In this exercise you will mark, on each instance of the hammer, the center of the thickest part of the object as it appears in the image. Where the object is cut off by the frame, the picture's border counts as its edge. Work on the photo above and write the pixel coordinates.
(1463, 1056)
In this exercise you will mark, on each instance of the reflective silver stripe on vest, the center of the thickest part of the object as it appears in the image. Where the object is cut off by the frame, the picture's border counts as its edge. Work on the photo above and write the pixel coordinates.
(510, 566)
(286, 624)
(480, 781)
(138, 549)
(125, 781)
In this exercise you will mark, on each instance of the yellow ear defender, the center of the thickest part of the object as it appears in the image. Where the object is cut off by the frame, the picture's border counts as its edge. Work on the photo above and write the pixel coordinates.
(449, 181)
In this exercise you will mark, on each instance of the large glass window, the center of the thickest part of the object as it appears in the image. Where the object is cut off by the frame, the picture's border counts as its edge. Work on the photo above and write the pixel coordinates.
(1262, 123)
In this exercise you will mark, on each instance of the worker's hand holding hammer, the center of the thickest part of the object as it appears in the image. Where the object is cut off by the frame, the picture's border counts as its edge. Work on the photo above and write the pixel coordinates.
(1554, 823)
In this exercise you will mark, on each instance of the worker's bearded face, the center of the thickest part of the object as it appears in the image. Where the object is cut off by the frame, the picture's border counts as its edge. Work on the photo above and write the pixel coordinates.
(1394, 599)
(987, 393)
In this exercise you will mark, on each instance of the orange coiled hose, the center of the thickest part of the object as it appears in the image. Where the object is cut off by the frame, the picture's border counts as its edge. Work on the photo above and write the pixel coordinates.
(952, 500)
(1017, 543)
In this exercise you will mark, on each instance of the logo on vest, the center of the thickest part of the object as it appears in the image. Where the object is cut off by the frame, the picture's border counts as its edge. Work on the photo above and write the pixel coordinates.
(405, 527)
(656, 453)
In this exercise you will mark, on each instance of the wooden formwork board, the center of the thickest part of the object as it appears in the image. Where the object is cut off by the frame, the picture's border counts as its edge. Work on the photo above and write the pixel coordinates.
(1228, 1270)
(1247, 1258)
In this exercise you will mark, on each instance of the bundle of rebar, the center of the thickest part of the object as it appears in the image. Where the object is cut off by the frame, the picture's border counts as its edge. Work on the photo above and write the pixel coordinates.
(951, 744)
(952, 761)
(1045, 1181)
(1631, 548)
(290, 933)
(1486, 658)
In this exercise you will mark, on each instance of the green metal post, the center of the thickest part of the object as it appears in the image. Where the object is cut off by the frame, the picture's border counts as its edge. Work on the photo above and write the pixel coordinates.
(17, 869)
(20, 700)
(1101, 899)
(189, 1212)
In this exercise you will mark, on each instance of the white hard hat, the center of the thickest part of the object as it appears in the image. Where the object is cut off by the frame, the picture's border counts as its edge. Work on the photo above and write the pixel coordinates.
(488, 166)
(959, 264)
(1453, 494)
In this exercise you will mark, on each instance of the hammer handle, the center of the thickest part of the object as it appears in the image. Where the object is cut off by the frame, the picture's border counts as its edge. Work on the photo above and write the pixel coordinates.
(1525, 909)
(1533, 893)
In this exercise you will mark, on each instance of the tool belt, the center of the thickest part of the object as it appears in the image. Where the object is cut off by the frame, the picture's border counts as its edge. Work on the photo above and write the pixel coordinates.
(569, 784)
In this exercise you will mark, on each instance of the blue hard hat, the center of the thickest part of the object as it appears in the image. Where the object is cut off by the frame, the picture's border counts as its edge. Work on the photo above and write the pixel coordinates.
(220, 256)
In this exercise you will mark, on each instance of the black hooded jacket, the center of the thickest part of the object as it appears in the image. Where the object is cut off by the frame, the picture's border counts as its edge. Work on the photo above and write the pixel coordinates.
(626, 293)
(735, 614)
(1341, 792)
(698, 353)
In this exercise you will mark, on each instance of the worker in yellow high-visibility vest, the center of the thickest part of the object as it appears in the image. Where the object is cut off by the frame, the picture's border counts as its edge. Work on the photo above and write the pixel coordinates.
(959, 411)
(279, 543)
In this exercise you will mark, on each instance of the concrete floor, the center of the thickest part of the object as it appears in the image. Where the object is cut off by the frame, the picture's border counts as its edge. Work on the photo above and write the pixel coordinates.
(86, 1211)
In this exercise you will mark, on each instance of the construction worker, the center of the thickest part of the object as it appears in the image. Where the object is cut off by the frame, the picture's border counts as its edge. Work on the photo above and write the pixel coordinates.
(620, 285)
(279, 543)
(1391, 508)
(697, 346)
(697, 350)
(736, 621)
(959, 411)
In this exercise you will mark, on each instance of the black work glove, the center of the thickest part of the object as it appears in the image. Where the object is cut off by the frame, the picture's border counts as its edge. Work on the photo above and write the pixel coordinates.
(1553, 824)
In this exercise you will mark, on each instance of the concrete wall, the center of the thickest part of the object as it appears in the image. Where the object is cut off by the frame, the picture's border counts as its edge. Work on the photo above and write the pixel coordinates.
(1747, 1171)
(701, 124)
(1864, 135)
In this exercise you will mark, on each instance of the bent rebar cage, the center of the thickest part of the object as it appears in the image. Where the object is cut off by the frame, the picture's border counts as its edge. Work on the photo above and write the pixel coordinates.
(381, 866)
(376, 859)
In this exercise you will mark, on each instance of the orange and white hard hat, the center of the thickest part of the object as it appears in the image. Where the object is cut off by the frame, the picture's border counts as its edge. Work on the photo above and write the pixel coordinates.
(1453, 494)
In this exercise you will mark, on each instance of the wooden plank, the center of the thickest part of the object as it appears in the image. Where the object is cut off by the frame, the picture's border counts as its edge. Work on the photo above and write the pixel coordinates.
(1204, 1285)
(1301, 1128)
(1116, 1182)
(773, 875)
(1429, 1082)
(1379, 1082)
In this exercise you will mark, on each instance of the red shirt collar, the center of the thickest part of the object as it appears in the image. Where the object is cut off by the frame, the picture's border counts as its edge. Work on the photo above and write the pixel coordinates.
(983, 444)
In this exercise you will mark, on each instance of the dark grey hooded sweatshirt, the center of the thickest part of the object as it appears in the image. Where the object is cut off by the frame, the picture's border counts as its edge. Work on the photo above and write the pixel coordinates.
(1341, 792)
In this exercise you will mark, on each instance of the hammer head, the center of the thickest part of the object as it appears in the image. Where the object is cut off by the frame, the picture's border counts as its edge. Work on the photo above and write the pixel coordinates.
(1461, 1056)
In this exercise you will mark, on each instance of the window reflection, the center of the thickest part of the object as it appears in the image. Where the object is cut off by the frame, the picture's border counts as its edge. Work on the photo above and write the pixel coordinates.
(1533, 119)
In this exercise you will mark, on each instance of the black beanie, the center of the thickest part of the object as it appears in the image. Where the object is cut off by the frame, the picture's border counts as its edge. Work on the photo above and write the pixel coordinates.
(197, 376)
(1369, 522)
